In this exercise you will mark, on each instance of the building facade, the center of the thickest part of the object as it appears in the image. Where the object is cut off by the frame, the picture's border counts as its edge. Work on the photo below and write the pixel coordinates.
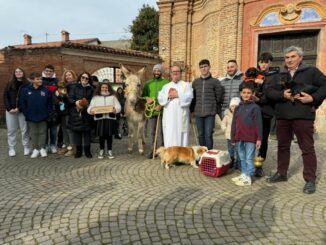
(220, 30)
(78, 55)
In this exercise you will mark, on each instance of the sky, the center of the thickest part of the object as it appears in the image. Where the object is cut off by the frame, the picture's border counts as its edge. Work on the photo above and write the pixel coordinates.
(45, 19)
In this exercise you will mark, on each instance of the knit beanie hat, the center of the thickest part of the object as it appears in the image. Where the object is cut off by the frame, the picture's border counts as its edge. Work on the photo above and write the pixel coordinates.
(235, 101)
(159, 67)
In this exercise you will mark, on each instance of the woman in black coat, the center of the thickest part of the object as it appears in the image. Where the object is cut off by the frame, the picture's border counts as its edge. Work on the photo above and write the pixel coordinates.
(14, 117)
(80, 122)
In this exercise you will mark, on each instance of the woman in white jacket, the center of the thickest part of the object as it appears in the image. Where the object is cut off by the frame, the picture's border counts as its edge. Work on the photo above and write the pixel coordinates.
(226, 127)
(106, 122)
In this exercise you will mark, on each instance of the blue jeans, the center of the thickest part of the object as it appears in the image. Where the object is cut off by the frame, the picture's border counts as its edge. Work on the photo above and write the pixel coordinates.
(246, 151)
(205, 128)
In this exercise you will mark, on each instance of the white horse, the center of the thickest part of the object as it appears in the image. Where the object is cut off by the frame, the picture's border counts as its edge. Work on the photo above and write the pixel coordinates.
(134, 108)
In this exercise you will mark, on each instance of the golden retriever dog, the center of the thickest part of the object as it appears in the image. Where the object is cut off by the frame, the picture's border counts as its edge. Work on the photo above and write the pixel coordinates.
(186, 155)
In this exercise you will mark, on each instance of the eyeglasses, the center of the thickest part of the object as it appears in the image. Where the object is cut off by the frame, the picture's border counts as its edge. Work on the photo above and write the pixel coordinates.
(48, 70)
(85, 78)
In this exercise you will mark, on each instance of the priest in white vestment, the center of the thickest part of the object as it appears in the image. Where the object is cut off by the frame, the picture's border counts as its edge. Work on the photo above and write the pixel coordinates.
(175, 97)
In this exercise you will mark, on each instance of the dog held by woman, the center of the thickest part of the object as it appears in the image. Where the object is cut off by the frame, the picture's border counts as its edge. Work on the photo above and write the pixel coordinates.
(180, 154)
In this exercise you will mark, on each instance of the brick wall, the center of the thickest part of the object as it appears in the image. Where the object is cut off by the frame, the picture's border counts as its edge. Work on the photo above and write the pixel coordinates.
(77, 60)
(204, 33)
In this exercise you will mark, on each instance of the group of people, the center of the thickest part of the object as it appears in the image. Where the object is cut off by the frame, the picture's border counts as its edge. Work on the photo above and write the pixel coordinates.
(245, 102)
(42, 104)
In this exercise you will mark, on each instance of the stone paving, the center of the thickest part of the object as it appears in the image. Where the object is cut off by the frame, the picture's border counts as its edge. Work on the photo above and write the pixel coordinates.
(132, 200)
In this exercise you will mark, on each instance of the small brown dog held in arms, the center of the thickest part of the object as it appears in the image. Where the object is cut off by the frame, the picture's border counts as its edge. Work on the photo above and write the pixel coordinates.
(186, 155)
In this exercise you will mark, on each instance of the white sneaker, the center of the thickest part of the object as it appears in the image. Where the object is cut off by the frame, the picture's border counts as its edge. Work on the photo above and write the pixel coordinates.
(101, 154)
(35, 153)
(43, 153)
(27, 151)
(63, 146)
(53, 149)
(244, 181)
(69, 148)
(110, 155)
(12, 152)
(237, 178)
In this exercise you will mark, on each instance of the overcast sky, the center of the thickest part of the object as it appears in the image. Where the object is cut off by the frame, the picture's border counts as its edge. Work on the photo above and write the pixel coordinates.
(104, 19)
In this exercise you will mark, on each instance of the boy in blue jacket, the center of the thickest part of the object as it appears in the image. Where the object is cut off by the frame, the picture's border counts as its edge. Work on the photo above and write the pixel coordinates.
(246, 132)
(36, 104)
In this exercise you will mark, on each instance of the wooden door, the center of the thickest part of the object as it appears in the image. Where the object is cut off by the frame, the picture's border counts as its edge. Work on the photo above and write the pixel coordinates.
(276, 43)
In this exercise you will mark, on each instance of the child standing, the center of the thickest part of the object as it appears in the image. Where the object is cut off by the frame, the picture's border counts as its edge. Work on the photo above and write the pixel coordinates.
(246, 132)
(226, 127)
(106, 122)
(36, 105)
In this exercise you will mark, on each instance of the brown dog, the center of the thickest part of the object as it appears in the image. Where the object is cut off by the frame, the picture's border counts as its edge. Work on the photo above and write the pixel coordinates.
(187, 155)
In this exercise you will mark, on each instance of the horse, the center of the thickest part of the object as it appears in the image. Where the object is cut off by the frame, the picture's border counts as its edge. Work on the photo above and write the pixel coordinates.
(134, 108)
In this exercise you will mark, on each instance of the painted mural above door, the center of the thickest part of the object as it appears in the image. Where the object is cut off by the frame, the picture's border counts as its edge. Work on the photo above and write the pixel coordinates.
(289, 14)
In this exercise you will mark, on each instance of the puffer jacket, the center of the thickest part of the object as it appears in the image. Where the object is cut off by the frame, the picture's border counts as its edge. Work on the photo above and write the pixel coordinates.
(208, 95)
(231, 87)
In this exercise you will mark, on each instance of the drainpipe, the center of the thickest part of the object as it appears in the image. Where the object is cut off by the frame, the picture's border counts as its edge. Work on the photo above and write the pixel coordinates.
(239, 32)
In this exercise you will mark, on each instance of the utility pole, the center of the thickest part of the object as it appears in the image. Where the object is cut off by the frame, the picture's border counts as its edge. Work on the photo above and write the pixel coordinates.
(46, 37)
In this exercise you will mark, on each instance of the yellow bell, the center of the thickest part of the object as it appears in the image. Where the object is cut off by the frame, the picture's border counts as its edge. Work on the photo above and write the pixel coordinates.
(258, 161)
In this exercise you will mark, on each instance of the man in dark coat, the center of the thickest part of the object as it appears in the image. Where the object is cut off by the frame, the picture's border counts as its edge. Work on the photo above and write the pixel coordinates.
(298, 90)
(208, 96)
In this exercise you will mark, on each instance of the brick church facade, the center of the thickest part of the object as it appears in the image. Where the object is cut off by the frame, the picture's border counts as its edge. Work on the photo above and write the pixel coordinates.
(220, 30)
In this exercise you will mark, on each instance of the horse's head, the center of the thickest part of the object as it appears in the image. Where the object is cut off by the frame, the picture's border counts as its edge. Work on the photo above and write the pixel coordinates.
(133, 84)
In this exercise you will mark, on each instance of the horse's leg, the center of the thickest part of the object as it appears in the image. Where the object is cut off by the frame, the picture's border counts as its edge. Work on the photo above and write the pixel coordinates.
(140, 137)
(131, 133)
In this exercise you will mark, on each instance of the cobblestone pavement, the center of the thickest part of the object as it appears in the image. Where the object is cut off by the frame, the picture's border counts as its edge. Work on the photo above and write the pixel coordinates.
(132, 200)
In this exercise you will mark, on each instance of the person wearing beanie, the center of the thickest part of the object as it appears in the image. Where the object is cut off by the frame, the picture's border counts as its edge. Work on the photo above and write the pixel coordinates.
(208, 97)
(226, 128)
(150, 92)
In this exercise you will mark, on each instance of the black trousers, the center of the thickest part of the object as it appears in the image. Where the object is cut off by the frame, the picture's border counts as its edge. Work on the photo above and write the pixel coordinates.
(266, 131)
(80, 136)
(108, 140)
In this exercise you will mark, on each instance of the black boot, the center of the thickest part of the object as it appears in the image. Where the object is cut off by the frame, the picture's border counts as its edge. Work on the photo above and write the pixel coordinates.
(259, 172)
(79, 151)
(232, 162)
(87, 150)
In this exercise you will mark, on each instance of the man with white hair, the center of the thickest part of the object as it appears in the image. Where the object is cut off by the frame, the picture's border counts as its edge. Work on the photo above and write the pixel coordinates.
(176, 97)
(150, 92)
(298, 90)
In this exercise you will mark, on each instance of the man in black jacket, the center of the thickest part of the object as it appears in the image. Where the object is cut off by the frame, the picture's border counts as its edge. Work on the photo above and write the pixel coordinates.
(295, 106)
(208, 95)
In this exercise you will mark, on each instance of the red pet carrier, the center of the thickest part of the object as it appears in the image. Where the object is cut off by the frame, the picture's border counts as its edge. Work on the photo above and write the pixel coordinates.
(214, 163)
